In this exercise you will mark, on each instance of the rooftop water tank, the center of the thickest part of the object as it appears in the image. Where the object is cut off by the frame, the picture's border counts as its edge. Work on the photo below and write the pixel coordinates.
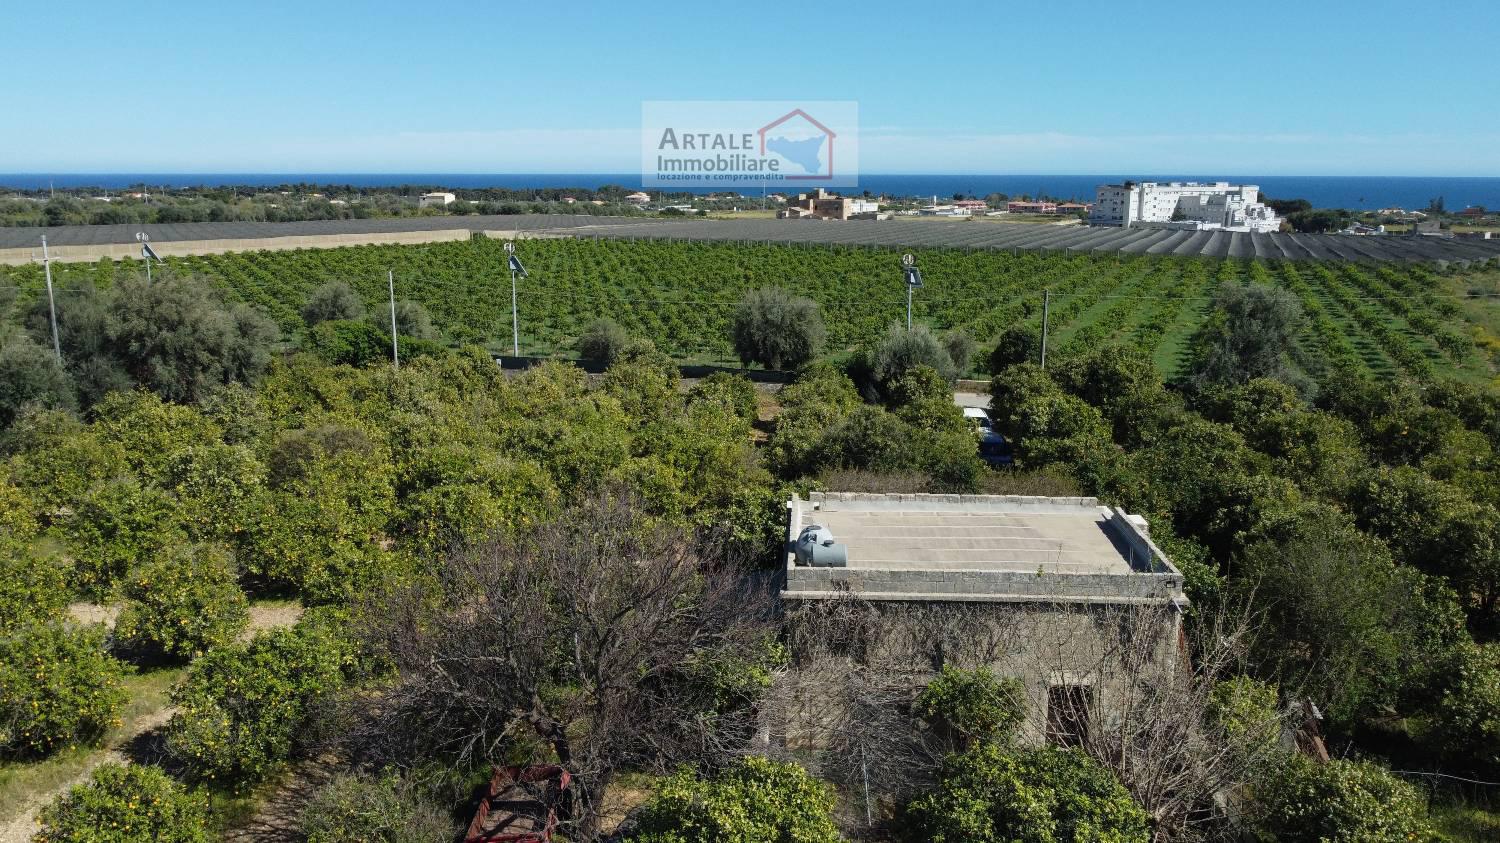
(816, 548)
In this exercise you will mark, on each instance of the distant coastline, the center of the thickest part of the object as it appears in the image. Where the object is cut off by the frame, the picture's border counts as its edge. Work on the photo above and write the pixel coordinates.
(1352, 192)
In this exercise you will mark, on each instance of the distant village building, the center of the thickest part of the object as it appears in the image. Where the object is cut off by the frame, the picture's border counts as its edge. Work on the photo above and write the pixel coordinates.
(1191, 205)
(1074, 208)
(828, 206)
(638, 198)
(974, 206)
(1031, 207)
(936, 210)
(436, 200)
(1049, 590)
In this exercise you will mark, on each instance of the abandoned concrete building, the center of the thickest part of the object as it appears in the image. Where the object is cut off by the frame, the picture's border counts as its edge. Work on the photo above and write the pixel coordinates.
(1070, 597)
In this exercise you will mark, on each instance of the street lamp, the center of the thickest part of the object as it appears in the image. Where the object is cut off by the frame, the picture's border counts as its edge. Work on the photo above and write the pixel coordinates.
(147, 253)
(913, 278)
(516, 270)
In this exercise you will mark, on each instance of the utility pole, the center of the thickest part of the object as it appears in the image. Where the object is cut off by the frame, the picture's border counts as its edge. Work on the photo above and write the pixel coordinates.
(51, 301)
(1046, 307)
(390, 280)
(516, 269)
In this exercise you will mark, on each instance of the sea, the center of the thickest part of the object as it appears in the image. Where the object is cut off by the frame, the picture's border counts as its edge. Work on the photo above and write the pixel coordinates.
(1354, 192)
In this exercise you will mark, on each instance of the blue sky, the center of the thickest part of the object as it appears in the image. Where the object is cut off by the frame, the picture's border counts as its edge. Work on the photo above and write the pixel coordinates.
(1254, 87)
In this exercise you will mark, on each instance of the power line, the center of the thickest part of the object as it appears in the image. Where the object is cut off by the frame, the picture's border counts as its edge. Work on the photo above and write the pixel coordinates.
(1444, 776)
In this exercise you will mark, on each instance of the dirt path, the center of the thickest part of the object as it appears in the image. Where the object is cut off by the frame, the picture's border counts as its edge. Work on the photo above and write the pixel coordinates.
(277, 818)
(274, 616)
(262, 616)
(22, 826)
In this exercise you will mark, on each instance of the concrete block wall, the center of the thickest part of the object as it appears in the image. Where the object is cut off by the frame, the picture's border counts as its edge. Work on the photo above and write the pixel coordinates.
(1142, 552)
(991, 586)
(184, 248)
(1156, 579)
(923, 502)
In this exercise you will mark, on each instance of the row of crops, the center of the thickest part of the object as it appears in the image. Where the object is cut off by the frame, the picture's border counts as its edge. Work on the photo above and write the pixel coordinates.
(1387, 318)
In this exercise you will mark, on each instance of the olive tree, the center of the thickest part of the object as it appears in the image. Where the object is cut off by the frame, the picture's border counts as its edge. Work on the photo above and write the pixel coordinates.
(1246, 336)
(176, 337)
(603, 342)
(776, 329)
(413, 320)
(31, 375)
(899, 350)
(333, 301)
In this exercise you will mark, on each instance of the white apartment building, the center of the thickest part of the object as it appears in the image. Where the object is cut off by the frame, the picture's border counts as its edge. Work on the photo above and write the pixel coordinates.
(1191, 205)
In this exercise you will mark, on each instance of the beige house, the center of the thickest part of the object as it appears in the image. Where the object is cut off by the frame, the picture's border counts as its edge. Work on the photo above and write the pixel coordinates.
(1068, 596)
(828, 206)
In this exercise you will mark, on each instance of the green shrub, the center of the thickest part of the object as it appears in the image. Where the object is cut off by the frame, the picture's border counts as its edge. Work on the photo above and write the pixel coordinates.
(754, 801)
(316, 528)
(733, 391)
(1468, 715)
(1244, 711)
(242, 705)
(373, 809)
(1049, 795)
(349, 342)
(1338, 802)
(922, 386)
(58, 688)
(213, 484)
(603, 342)
(776, 329)
(973, 705)
(117, 525)
(32, 587)
(1020, 343)
(125, 803)
(182, 604)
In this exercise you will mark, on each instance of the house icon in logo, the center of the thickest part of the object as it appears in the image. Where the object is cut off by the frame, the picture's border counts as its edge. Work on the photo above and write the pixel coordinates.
(802, 140)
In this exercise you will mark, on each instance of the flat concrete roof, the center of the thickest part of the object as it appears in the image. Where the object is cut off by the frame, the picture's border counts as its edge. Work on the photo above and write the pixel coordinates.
(980, 547)
(907, 540)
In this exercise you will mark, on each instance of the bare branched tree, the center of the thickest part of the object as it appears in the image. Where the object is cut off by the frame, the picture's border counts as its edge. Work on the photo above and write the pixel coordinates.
(1149, 721)
(1138, 703)
(613, 641)
(845, 708)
